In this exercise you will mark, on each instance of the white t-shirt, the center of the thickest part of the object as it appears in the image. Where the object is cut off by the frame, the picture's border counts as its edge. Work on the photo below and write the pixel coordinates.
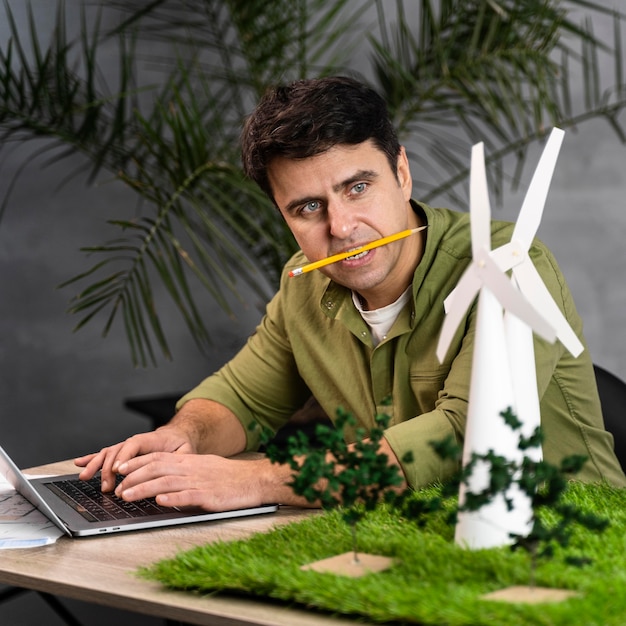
(381, 320)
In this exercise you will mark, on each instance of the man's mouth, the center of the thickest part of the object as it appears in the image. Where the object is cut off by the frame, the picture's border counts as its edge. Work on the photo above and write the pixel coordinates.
(359, 255)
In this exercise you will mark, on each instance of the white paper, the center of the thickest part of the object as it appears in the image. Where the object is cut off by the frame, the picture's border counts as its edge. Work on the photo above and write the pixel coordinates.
(21, 524)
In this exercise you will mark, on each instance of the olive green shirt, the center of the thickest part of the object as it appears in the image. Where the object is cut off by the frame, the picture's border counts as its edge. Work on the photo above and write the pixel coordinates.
(312, 340)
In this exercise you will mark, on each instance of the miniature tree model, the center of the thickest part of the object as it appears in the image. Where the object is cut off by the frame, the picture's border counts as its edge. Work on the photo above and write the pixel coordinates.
(355, 477)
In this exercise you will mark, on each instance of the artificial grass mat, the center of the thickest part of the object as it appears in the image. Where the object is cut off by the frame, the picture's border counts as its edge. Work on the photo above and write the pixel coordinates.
(433, 581)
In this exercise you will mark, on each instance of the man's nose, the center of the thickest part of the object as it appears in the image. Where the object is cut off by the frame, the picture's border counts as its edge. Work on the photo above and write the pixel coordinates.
(341, 220)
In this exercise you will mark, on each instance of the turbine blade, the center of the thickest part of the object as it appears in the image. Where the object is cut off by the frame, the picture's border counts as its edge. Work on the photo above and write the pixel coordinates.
(532, 286)
(456, 305)
(534, 202)
(480, 210)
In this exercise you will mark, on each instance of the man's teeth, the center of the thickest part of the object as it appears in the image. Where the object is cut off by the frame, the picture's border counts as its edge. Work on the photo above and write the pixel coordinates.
(357, 256)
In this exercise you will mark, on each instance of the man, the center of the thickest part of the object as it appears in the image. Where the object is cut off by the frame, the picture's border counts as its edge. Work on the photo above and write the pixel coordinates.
(360, 333)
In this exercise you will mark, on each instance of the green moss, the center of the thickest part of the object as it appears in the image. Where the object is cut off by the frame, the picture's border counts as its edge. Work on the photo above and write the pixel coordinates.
(433, 582)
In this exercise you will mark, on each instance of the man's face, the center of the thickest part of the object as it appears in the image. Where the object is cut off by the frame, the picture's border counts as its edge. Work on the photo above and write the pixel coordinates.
(344, 198)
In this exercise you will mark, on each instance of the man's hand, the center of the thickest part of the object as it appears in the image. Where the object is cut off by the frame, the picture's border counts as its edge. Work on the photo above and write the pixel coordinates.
(108, 460)
(201, 426)
(211, 482)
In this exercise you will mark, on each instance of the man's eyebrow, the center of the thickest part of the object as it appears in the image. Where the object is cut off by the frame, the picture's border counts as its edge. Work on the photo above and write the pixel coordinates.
(360, 175)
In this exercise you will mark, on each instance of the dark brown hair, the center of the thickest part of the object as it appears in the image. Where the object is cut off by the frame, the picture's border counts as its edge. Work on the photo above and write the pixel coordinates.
(307, 117)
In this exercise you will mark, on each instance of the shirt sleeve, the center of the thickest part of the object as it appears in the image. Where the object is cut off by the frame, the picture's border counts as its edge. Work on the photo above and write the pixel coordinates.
(261, 384)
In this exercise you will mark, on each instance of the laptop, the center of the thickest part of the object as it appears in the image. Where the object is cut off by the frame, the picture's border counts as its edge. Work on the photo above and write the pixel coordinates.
(80, 509)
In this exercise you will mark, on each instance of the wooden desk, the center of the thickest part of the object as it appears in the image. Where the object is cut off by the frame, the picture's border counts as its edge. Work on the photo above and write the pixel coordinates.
(102, 570)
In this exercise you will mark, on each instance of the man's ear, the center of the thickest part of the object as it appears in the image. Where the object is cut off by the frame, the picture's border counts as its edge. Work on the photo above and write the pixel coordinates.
(404, 174)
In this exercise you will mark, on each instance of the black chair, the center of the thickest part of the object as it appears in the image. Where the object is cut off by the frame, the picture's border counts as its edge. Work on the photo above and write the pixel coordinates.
(158, 409)
(612, 392)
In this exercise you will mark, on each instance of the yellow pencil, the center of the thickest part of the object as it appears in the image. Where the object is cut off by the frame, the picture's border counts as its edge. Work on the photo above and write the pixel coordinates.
(344, 255)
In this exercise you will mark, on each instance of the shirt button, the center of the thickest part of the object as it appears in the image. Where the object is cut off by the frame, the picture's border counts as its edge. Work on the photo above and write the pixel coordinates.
(330, 304)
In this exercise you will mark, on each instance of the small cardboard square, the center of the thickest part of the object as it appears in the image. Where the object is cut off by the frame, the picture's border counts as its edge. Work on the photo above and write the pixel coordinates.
(346, 565)
(530, 595)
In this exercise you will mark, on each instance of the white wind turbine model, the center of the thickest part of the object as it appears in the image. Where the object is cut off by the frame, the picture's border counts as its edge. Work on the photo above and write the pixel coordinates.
(503, 366)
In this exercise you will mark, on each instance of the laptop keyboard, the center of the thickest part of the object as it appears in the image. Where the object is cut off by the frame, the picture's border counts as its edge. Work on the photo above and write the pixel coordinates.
(85, 497)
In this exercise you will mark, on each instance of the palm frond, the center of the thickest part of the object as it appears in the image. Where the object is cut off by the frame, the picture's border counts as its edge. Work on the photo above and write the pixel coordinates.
(47, 97)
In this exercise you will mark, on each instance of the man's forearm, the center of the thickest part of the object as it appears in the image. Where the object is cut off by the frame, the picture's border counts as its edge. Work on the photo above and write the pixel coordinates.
(211, 428)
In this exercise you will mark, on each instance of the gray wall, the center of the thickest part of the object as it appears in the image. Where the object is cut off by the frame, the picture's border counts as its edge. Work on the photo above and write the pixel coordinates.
(61, 393)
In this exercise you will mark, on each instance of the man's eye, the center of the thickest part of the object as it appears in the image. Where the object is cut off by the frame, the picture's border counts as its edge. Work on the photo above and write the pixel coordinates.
(359, 188)
(310, 207)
